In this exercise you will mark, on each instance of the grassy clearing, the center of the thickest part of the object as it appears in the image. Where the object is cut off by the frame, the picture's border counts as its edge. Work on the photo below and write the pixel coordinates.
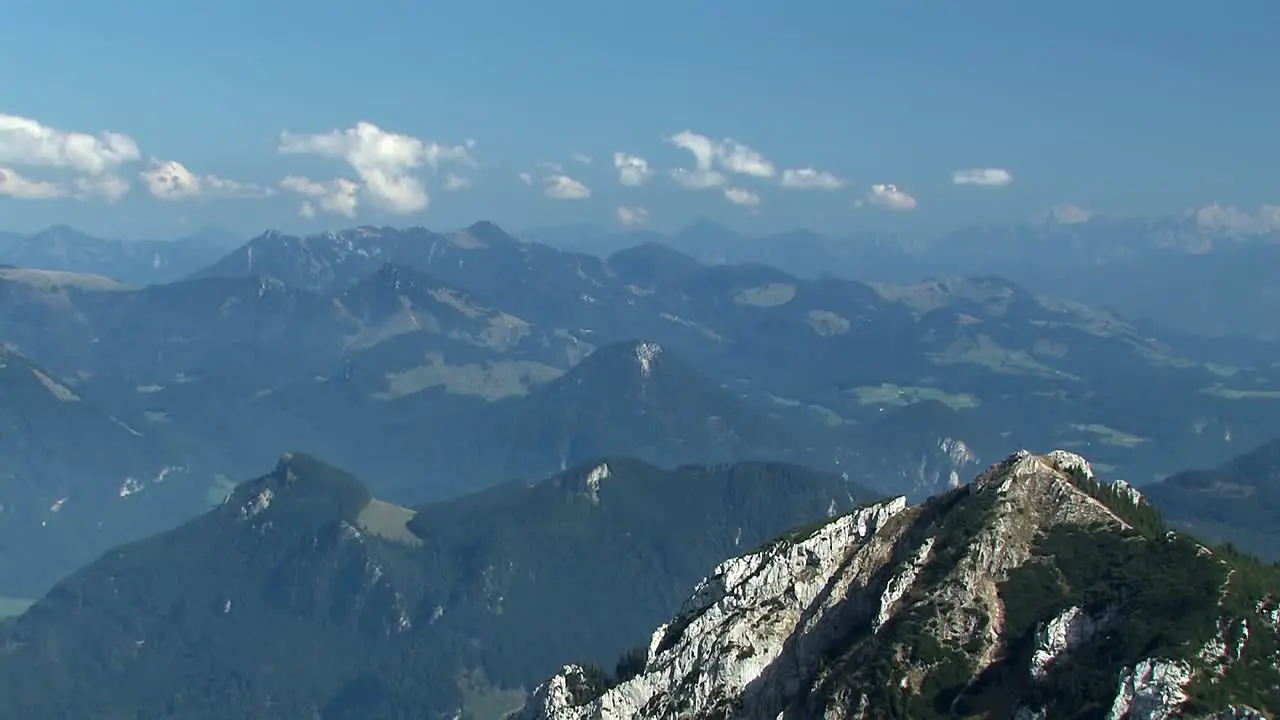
(986, 352)
(388, 521)
(12, 607)
(771, 295)
(491, 381)
(481, 701)
(1108, 435)
(890, 394)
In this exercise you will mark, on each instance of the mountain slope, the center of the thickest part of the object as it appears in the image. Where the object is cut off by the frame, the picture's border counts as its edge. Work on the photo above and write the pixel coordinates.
(635, 398)
(632, 399)
(76, 480)
(1033, 592)
(1239, 501)
(302, 597)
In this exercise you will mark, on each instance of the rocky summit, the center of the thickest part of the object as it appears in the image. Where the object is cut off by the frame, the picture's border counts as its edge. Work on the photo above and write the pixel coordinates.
(1035, 591)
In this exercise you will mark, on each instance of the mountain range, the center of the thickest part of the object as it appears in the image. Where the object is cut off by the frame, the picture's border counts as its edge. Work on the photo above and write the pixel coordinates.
(1238, 501)
(1036, 590)
(301, 595)
(433, 364)
(138, 262)
(1166, 270)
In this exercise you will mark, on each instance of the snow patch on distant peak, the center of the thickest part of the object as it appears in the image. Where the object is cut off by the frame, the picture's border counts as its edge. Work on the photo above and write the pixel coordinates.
(597, 474)
(646, 352)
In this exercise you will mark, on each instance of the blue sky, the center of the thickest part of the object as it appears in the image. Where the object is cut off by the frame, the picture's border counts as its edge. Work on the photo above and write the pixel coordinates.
(1120, 107)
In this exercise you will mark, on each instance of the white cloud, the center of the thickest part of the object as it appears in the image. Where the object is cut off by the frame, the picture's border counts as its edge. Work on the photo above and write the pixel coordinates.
(14, 185)
(382, 160)
(563, 187)
(580, 157)
(106, 186)
(171, 180)
(1231, 218)
(810, 179)
(526, 178)
(337, 196)
(632, 169)
(632, 216)
(703, 150)
(455, 182)
(698, 179)
(739, 196)
(890, 197)
(25, 142)
(708, 155)
(738, 158)
(989, 177)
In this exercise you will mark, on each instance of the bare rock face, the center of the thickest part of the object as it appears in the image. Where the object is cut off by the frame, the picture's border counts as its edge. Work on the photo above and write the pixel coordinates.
(1030, 591)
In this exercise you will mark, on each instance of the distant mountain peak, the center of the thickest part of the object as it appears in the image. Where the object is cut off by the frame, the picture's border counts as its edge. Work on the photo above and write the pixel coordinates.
(301, 488)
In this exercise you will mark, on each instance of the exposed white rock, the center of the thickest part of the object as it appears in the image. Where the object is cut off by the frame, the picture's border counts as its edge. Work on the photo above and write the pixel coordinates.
(1154, 689)
(1058, 637)
(129, 486)
(735, 625)
(901, 582)
(597, 474)
(1068, 461)
(1127, 491)
(256, 504)
(646, 352)
(788, 631)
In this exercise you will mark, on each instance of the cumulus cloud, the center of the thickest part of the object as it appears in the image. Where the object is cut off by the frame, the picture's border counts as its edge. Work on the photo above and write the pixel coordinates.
(989, 177)
(1231, 218)
(582, 158)
(337, 196)
(383, 161)
(171, 180)
(526, 178)
(890, 197)
(14, 185)
(698, 179)
(738, 158)
(739, 196)
(563, 187)
(27, 143)
(455, 182)
(633, 170)
(810, 179)
(713, 158)
(632, 216)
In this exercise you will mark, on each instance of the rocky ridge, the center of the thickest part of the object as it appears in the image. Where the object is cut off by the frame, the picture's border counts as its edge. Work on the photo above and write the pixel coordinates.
(1033, 591)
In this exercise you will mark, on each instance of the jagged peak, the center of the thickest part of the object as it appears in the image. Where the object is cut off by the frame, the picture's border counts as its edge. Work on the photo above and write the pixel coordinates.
(274, 235)
(792, 629)
(300, 486)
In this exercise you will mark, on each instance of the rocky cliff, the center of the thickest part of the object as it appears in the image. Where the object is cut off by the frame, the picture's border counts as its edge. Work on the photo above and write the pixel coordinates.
(1033, 592)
